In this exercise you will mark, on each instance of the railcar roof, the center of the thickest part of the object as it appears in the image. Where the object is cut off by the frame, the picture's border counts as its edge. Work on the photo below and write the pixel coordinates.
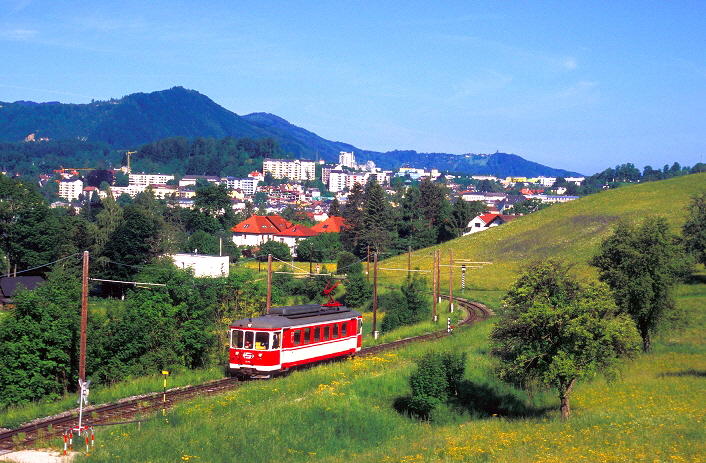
(293, 316)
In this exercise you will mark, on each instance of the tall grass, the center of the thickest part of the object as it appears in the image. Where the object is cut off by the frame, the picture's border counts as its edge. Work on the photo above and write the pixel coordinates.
(345, 411)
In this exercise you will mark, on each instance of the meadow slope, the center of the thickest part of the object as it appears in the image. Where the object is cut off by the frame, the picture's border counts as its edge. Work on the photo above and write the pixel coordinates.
(571, 231)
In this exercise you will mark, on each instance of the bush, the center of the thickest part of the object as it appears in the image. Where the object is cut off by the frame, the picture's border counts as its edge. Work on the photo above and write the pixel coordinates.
(278, 250)
(437, 378)
(349, 263)
(358, 290)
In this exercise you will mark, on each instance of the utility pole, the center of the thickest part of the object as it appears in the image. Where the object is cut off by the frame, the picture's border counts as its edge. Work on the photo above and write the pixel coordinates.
(82, 383)
(451, 280)
(269, 282)
(409, 262)
(375, 297)
(434, 287)
(311, 253)
(367, 272)
(84, 321)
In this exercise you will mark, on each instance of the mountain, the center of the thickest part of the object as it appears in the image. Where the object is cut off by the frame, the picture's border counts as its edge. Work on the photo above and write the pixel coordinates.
(141, 118)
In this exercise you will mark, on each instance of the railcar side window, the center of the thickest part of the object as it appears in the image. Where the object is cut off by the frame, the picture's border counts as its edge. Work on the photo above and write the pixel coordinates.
(327, 332)
(237, 339)
(248, 339)
(296, 337)
(262, 340)
(344, 330)
(335, 331)
(275, 340)
(360, 326)
(307, 335)
(317, 334)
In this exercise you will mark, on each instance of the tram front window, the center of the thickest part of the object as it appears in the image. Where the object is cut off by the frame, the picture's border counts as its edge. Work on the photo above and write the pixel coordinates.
(262, 341)
(248, 340)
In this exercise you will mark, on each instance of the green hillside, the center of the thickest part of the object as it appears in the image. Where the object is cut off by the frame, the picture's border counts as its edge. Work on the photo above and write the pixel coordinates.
(570, 231)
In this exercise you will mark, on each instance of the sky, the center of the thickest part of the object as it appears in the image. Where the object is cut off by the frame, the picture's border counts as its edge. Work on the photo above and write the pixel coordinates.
(581, 86)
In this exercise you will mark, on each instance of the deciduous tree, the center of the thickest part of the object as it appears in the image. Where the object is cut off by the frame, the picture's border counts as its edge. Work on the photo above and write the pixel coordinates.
(557, 330)
(694, 230)
(641, 264)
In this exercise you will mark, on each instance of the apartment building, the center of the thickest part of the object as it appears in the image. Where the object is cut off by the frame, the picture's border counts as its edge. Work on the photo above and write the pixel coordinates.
(70, 189)
(149, 179)
(293, 169)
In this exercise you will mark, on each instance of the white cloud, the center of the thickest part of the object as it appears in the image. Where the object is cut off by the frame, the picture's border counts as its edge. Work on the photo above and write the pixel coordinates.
(18, 34)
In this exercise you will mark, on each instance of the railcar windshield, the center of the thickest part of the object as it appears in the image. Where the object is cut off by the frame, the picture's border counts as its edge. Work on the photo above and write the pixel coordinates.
(258, 340)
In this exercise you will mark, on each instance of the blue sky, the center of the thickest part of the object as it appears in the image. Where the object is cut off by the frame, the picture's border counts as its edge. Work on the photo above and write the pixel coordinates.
(576, 85)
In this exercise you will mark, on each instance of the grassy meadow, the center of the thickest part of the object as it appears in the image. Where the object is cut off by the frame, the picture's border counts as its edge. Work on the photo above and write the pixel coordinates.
(345, 412)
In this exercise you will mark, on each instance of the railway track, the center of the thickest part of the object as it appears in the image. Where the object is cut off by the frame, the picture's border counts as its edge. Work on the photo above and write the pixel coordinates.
(41, 432)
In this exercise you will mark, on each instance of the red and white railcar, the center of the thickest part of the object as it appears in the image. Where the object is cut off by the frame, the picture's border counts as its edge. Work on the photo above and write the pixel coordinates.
(293, 336)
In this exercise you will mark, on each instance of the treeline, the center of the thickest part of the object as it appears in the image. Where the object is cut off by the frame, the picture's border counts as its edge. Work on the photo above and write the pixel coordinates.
(225, 157)
(181, 325)
(628, 173)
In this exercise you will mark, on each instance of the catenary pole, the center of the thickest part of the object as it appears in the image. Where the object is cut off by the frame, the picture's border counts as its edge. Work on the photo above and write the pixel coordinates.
(84, 320)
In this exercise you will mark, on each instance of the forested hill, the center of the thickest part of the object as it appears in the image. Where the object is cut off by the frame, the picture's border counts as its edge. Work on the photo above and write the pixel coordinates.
(142, 118)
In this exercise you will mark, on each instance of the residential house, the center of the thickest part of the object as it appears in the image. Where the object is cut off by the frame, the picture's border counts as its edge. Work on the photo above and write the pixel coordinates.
(333, 224)
(203, 265)
(9, 286)
(486, 221)
(258, 229)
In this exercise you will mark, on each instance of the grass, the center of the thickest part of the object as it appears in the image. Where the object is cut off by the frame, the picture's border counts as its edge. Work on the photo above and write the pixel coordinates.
(13, 417)
(571, 231)
(344, 411)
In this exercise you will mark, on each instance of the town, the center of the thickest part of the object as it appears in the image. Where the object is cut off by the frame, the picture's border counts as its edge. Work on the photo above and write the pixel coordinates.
(285, 183)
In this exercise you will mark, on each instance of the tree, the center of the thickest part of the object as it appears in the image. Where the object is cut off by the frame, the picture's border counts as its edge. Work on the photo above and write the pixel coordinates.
(334, 209)
(278, 250)
(642, 264)
(463, 212)
(409, 305)
(323, 247)
(348, 263)
(694, 230)
(353, 215)
(213, 200)
(38, 342)
(558, 330)
(378, 226)
(358, 290)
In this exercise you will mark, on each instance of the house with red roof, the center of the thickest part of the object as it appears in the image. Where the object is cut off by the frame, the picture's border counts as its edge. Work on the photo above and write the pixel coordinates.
(292, 235)
(257, 229)
(486, 221)
(333, 224)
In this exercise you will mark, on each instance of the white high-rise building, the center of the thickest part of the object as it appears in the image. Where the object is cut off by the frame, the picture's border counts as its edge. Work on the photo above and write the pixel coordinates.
(293, 169)
(70, 189)
(347, 159)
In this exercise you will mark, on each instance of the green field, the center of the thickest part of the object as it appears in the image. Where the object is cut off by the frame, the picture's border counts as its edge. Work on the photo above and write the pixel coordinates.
(345, 411)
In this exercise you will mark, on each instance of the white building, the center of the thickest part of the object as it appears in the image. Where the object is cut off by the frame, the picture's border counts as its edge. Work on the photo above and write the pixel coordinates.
(203, 265)
(546, 182)
(189, 180)
(293, 169)
(70, 189)
(347, 159)
(132, 190)
(149, 179)
(247, 185)
(337, 180)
